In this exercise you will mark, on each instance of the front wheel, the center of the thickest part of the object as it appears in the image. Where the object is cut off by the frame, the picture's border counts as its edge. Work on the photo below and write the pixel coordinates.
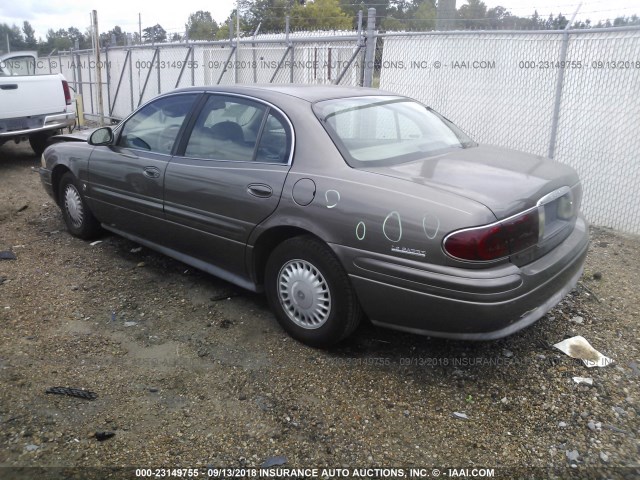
(310, 292)
(79, 219)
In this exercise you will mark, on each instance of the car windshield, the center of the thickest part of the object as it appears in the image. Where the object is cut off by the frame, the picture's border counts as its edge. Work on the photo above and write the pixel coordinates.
(387, 130)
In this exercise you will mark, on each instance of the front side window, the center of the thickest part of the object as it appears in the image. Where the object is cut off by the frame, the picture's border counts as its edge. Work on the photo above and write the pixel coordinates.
(387, 130)
(155, 126)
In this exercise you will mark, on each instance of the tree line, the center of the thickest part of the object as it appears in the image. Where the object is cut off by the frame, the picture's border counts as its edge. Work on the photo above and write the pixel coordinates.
(268, 16)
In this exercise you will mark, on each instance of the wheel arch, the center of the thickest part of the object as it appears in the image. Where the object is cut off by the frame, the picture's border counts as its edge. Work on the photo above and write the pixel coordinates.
(267, 241)
(56, 175)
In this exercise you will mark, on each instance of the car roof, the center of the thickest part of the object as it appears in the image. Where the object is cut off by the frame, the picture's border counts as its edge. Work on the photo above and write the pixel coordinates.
(310, 93)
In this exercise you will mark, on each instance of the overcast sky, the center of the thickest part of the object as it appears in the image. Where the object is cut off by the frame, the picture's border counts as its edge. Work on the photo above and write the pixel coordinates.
(46, 14)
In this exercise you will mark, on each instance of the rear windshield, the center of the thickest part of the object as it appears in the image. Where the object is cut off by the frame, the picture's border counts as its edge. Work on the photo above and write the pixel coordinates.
(22, 65)
(387, 130)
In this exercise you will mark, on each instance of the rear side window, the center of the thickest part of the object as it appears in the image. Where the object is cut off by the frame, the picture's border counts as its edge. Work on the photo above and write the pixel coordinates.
(275, 141)
(238, 129)
(387, 130)
(226, 129)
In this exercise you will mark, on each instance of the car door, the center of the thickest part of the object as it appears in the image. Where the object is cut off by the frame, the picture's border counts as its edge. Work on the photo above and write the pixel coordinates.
(126, 179)
(227, 177)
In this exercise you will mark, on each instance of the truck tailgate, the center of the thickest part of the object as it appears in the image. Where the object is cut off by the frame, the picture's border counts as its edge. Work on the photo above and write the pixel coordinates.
(23, 96)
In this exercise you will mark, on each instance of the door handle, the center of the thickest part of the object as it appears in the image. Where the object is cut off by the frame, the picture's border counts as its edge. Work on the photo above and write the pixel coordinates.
(128, 155)
(9, 86)
(151, 172)
(260, 190)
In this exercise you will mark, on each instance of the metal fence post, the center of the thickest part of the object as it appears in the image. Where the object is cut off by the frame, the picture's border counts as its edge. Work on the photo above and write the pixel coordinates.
(193, 73)
(558, 97)
(131, 77)
(287, 27)
(254, 46)
(159, 78)
(106, 59)
(370, 48)
(79, 85)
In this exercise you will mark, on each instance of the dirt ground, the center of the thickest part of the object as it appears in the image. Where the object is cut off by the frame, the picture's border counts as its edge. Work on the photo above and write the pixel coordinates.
(191, 371)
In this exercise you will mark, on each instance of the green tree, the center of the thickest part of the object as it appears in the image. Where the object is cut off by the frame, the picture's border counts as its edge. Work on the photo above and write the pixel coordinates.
(473, 15)
(320, 15)
(498, 17)
(108, 38)
(384, 8)
(556, 23)
(268, 14)
(223, 31)
(29, 35)
(425, 17)
(58, 40)
(16, 40)
(201, 26)
(392, 24)
(155, 34)
(625, 21)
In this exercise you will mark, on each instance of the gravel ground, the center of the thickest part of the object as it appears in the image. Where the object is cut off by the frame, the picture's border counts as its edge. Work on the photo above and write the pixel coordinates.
(191, 371)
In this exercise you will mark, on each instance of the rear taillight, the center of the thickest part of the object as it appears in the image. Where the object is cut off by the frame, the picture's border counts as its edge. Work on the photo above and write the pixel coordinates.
(495, 241)
(67, 92)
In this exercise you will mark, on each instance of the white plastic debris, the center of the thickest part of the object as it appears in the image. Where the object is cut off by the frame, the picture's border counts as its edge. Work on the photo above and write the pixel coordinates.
(572, 455)
(93, 244)
(136, 250)
(130, 324)
(461, 415)
(587, 380)
(578, 347)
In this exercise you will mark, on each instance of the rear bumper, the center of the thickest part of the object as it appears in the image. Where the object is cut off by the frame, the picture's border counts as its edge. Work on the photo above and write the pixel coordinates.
(464, 304)
(40, 123)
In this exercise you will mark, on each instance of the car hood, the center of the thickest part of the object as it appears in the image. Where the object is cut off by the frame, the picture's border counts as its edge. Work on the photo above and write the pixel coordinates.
(505, 181)
(77, 135)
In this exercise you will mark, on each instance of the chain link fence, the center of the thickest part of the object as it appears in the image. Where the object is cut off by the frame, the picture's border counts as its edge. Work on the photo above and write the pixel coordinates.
(133, 75)
(571, 95)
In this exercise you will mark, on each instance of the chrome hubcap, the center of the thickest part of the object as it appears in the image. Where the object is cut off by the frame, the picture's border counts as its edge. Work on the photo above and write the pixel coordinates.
(304, 294)
(73, 205)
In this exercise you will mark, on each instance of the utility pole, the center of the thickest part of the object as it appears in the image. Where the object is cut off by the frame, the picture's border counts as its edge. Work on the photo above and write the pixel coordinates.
(96, 35)
(140, 29)
(93, 36)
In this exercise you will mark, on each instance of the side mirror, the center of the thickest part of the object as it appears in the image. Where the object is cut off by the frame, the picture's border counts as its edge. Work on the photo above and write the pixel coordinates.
(102, 136)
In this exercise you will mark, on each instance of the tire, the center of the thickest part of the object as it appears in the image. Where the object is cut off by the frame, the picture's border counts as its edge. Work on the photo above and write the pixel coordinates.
(310, 293)
(40, 141)
(80, 221)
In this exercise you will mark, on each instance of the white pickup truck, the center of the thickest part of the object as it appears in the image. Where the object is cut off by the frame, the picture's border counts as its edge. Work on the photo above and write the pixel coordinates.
(32, 107)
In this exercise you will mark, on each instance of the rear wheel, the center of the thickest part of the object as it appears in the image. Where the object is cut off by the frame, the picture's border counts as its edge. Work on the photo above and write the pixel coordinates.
(39, 141)
(310, 292)
(80, 221)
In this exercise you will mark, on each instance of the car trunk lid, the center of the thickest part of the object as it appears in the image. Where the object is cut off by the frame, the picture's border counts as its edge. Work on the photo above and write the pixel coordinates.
(507, 182)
